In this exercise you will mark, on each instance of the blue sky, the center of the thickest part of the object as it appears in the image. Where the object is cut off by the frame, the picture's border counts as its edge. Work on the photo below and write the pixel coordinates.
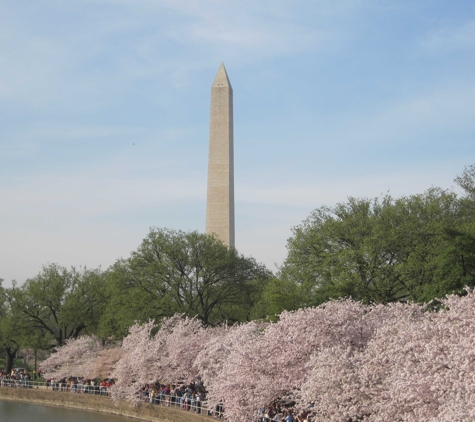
(104, 114)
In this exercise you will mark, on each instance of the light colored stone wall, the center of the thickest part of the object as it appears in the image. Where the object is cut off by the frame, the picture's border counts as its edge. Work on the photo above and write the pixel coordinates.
(145, 411)
(220, 196)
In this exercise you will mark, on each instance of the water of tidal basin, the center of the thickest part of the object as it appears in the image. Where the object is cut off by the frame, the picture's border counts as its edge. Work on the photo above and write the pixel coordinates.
(11, 411)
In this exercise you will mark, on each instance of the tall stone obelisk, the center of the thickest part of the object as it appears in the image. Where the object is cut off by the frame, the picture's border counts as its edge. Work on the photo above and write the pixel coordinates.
(220, 198)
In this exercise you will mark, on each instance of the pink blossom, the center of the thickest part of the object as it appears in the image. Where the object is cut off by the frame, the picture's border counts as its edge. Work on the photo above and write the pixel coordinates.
(74, 359)
(344, 361)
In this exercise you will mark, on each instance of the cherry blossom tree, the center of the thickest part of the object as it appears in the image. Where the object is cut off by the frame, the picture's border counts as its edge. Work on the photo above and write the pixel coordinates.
(177, 343)
(343, 360)
(418, 366)
(167, 356)
(74, 359)
(425, 366)
(215, 365)
(132, 369)
(104, 365)
(339, 383)
(273, 366)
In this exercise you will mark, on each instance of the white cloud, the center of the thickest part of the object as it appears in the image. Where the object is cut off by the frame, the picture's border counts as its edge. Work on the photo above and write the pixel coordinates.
(95, 50)
(448, 39)
(447, 110)
(83, 197)
(23, 251)
(310, 195)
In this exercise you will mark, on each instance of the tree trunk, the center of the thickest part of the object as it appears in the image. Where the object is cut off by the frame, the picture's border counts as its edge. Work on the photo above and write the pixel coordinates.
(10, 356)
(36, 354)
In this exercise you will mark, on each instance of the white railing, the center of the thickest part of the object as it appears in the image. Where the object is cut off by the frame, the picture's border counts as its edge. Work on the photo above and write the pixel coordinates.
(160, 399)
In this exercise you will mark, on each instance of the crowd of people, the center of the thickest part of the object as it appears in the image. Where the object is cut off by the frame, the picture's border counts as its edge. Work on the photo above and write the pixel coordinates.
(189, 397)
(192, 398)
(83, 386)
(279, 412)
(16, 378)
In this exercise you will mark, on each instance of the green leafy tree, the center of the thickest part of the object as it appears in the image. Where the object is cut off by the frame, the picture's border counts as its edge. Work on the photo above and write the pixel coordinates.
(382, 250)
(458, 261)
(277, 295)
(63, 303)
(467, 181)
(191, 273)
(10, 338)
(12, 330)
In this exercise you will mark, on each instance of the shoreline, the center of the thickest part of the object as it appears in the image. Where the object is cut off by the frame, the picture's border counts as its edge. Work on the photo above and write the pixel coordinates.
(144, 411)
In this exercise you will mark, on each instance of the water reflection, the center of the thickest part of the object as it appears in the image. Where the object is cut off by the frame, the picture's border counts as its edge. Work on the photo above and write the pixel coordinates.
(24, 412)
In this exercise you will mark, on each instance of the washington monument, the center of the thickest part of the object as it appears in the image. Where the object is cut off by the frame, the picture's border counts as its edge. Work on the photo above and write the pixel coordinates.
(220, 198)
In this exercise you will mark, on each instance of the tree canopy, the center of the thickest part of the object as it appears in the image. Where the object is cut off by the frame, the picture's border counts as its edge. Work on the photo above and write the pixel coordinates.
(63, 303)
(413, 248)
(186, 272)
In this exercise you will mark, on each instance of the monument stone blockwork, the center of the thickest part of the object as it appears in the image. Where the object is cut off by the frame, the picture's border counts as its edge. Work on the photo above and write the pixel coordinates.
(220, 195)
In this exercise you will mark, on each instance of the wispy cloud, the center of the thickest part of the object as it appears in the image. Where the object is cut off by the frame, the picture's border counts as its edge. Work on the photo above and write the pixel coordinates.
(447, 39)
(101, 47)
(447, 109)
(87, 197)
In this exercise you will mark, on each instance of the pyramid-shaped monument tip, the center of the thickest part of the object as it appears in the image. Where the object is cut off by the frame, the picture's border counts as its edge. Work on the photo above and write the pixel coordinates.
(221, 79)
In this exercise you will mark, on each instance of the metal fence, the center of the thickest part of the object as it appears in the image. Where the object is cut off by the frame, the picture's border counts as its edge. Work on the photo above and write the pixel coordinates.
(189, 404)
